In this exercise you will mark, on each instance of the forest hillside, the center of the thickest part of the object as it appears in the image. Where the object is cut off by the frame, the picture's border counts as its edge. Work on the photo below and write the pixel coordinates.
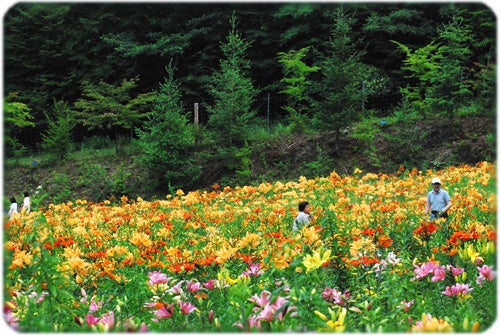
(94, 176)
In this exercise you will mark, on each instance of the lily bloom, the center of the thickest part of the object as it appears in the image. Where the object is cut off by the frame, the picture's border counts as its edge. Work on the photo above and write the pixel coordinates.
(156, 277)
(457, 289)
(316, 260)
(262, 300)
(485, 273)
(186, 307)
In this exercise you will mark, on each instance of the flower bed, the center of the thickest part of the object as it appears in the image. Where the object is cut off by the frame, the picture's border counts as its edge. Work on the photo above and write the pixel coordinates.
(226, 260)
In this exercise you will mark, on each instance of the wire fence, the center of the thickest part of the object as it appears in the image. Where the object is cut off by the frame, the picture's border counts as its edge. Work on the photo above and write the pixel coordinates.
(268, 105)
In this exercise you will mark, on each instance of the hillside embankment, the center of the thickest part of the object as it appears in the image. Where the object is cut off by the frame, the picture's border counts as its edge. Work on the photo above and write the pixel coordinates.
(422, 145)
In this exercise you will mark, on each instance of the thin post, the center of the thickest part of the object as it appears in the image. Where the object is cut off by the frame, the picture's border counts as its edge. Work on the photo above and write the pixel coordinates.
(363, 87)
(268, 109)
(196, 113)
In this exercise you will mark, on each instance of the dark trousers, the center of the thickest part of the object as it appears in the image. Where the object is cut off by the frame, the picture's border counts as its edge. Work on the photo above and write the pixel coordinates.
(435, 215)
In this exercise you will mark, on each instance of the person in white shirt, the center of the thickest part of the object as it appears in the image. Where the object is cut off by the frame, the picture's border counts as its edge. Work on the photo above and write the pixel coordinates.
(303, 218)
(13, 207)
(26, 208)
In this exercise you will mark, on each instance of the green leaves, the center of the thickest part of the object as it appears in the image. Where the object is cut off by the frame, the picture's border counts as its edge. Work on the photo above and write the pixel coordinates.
(57, 139)
(16, 115)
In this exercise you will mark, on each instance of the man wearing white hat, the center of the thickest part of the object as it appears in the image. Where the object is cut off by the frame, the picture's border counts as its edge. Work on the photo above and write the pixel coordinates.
(438, 201)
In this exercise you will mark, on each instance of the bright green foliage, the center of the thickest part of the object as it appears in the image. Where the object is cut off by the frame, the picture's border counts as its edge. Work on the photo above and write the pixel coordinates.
(485, 85)
(232, 91)
(166, 137)
(422, 64)
(451, 83)
(443, 71)
(295, 72)
(15, 115)
(60, 122)
(105, 106)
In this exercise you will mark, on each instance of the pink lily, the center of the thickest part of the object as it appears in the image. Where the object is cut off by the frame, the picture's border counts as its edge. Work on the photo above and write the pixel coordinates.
(262, 300)
(457, 289)
(186, 307)
(156, 277)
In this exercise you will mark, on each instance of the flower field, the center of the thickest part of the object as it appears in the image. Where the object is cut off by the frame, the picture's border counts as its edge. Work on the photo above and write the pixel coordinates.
(225, 260)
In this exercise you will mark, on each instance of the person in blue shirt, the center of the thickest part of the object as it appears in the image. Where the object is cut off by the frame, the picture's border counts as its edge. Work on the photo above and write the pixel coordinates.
(438, 201)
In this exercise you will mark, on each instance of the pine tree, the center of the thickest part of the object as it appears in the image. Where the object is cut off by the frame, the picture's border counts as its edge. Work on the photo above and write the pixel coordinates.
(166, 137)
(57, 138)
(345, 80)
(232, 91)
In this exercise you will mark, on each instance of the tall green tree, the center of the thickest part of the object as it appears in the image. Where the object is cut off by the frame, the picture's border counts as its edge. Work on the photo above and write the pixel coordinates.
(297, 84)
(57, 138)
(167, 138)
(422, 66)
(108, 107)
(453, 72)
(346, 82)
(451, 83)
(413, 23)
(442, 71)
(232, 91)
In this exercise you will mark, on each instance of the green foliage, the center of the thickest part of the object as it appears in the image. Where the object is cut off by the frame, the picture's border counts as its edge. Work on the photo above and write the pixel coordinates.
(57, 139)
(484, 83)
(244, 168)
(96, 142)
(451, 86)
(105, 106)
(120, 181)
(15, 115)
(166, 137)
(321, 166)
(491, 139)
(233, 92)
(61, 190)
(295, 72)
(52, 49)
(346, 81)
(445, 80)
(366, 130)
(93, 177)
(422, 64)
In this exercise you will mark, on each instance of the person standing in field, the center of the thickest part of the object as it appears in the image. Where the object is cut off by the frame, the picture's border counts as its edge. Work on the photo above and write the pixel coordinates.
(303, 217)
(13, 207)
(438, 201)
(26, 207)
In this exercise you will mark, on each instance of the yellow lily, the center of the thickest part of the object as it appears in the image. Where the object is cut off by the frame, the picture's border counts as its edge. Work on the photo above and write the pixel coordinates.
(337, 321)
(316, 260)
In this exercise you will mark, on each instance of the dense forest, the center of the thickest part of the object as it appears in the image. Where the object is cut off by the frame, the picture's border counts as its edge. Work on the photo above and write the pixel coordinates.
(174, 87)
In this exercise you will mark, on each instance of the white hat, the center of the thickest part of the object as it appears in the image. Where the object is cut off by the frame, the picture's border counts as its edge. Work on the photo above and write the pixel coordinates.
(436, 180)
